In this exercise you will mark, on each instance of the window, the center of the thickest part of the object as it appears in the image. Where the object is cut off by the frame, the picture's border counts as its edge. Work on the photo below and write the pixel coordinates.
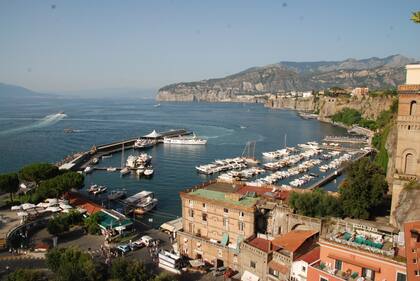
(273, 272)
(338, 264)
(241, 226)
(413, 250)
(401, 276)
(413, 106)
(323, 279)
(204, 217)
(414, 260)
(241, 214)
(410, 164)
(416, 272)
(303, 268)
(279, 230)
(225, 222)
(204, 205)
(253, 264)
(191, 212)
(225, 210)
(368, 273)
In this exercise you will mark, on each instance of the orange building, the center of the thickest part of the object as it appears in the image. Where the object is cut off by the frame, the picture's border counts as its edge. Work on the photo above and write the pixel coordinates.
(341, 261)
(412, 249)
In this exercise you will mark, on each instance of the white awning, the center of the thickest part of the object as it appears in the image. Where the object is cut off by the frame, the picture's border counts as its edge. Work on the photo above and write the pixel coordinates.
(172, 226)
(153, 134)
(248, 276)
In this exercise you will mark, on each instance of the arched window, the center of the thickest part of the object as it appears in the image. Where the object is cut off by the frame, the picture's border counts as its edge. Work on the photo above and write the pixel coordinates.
(413, 105)
(410, 164)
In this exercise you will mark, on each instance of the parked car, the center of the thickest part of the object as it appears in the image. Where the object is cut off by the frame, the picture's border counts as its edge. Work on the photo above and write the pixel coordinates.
(137, 244)
(124, 248)
(147, 240)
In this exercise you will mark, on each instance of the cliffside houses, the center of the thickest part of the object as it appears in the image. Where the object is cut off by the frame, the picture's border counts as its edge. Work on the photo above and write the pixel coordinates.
(256, 234)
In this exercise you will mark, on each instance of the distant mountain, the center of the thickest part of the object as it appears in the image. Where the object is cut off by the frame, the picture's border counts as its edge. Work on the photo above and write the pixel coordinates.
(12, 91)
(287, 76)
(110, 93)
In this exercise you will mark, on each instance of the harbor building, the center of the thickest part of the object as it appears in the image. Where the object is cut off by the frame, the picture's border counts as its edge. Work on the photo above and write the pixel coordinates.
(215, 221)
(412, 249)
(407, 156)
(354, 250)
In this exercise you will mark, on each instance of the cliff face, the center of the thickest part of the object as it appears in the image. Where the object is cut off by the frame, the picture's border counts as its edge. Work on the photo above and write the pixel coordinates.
(391, 148)
(408, 208)
(291, 76)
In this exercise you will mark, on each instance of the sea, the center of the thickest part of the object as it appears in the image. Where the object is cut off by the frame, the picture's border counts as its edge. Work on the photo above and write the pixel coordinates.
(32, 130)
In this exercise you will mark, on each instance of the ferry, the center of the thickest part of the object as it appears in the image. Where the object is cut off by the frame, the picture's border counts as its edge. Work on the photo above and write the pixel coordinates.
(186, 140)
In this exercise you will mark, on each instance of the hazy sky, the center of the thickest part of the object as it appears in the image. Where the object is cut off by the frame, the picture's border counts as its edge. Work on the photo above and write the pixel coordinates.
(74, 45)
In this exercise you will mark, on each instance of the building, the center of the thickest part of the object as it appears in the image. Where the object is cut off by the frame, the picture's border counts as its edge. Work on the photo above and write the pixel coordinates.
(407, 156)
(300, 266)
(353, 250)
(359, 92)
(273, 259)
(215, 220)
(412, 249)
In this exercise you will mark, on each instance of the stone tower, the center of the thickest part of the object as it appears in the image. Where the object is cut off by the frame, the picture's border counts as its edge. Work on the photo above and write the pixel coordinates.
(407, 158)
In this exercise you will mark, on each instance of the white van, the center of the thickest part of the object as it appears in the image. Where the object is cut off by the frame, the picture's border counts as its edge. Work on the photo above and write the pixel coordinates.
(147, 240)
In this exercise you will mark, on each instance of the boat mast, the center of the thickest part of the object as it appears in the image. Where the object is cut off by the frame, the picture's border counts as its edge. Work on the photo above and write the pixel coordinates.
(122, 156)
(285, 140)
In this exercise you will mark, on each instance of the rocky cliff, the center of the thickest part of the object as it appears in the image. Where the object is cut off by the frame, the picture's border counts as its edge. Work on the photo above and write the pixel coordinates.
(291, 76)
(408, 208)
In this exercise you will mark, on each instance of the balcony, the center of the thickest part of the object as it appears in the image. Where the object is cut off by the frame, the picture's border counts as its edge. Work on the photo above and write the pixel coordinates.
(334, 273)
(408, 118)
(409, 89)
(404, 177)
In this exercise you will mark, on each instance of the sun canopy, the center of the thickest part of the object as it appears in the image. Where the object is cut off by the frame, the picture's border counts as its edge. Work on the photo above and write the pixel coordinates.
(53, 209)
(196, 263)
(22, 214)
(172, 226)
(153, 135)
(16, 208)
(27, 206)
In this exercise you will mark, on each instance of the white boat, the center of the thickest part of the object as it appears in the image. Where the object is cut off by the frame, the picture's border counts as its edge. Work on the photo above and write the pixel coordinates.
(124, 171)
(95, 161)
(148, 171)
(157, 105)
(140, 172)
(88, 170)
(186, 140)
(134, 161)
(107, 156)
(92, 188)
(100, 189)
(142, 202)
(111, 169)
(143, 143)
(117, 194)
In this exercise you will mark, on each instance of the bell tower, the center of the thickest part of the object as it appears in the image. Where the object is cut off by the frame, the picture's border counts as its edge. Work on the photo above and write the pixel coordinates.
(407, 158)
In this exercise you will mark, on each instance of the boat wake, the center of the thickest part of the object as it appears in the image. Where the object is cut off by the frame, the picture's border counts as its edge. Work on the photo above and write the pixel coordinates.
(44, 122)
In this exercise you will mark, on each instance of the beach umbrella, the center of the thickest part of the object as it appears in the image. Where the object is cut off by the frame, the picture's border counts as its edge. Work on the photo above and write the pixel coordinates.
(65, 206)
(53, 209)
(16, 208)
(22, 214)
(27, 206)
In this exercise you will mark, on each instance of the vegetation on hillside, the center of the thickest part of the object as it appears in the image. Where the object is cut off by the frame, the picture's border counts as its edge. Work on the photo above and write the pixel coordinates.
(38, 172)
(362, 191)
(26, 275)
(62, 222)
(91, 224)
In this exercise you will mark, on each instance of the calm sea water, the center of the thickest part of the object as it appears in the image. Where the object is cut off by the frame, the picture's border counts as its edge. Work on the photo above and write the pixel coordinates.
(31, 131)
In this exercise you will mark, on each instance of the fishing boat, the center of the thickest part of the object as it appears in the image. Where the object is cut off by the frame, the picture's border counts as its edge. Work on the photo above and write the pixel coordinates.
(117, 194)
(99, 190)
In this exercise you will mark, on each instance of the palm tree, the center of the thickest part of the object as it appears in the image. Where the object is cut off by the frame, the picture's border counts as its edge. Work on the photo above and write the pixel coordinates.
(416, 17)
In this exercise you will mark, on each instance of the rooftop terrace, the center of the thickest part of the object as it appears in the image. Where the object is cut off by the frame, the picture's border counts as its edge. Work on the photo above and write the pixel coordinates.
(244, 201)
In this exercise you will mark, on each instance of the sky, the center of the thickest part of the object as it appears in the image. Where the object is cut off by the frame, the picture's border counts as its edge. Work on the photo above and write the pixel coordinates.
(59, 46)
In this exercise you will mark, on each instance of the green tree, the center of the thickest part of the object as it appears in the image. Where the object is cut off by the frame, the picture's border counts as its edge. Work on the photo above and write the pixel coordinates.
(415, 17)
(163, 276)
(37, 172)
(91, 224)
(62, 222)
(347, 116)
(363, 189)
(9, 183)
(129, 270)
(26, 275)
(69, 264)
(315, 204)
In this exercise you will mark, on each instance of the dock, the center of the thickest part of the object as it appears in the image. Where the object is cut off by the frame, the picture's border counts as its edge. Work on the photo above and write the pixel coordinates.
(345, 139)
(83, 159)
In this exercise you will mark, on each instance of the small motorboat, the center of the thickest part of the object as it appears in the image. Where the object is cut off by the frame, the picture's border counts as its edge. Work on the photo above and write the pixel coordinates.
(93, 188)
(117, 194)
(148, 171)
(95, 161)
(124, 171)
(88, 170)
(111, 169)
(100, 189)
(107, 156)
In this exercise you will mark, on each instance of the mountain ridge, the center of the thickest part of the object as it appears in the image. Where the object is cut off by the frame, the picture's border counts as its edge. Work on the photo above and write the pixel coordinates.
(286, 76)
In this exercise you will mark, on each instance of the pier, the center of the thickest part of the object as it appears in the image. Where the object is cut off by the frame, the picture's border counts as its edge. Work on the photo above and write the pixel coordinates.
(345, 139)
(83, 159)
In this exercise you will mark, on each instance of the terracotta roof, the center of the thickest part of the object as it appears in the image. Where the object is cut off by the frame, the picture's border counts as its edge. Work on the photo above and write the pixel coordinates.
(89, 206)
(262, 244)
(292, 240)
(261, 191)
(311, 256)
(279, 267)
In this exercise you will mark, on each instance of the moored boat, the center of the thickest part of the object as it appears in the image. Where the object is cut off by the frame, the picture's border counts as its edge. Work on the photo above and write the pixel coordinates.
(117, 194)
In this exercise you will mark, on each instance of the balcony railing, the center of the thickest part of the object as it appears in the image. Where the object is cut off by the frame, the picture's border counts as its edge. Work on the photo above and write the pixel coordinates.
(408, 118)
(409, 88)
(346, 276)
(389, 253)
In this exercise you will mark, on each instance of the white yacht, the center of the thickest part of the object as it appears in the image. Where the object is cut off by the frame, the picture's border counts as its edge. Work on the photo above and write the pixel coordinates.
(88, 170)
(188, 140)
(148, 171)
(124, 171)
(142, 202)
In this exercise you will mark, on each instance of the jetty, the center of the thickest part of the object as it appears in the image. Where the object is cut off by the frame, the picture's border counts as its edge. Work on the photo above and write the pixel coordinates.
(81, 160)
(344, 139)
